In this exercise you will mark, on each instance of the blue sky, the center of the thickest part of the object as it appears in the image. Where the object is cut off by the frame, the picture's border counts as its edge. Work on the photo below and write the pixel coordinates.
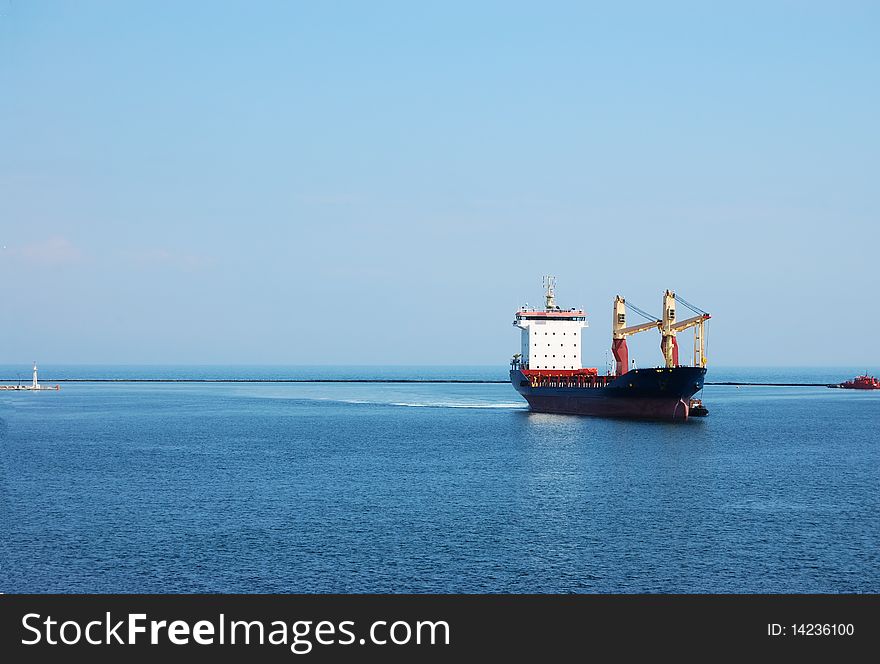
(384, 182)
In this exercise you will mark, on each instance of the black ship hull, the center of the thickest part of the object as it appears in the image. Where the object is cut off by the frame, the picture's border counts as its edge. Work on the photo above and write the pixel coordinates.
(659, 394)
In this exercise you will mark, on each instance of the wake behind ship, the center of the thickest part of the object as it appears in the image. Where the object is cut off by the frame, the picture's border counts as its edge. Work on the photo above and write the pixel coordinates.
(548, 372)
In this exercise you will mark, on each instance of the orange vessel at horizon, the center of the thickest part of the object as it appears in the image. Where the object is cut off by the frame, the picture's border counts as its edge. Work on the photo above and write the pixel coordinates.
(863, 382)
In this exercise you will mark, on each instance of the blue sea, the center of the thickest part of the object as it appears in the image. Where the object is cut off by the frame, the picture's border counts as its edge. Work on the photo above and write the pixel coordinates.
(430, 487)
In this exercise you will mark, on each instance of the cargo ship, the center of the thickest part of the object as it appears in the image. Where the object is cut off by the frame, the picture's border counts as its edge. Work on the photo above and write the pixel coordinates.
(548, 370)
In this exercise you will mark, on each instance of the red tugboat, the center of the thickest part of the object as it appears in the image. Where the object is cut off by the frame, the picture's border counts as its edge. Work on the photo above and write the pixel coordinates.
(863, 382)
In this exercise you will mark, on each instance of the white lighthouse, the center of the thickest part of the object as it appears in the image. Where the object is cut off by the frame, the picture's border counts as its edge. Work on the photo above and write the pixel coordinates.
(551, 337)
(35, 384)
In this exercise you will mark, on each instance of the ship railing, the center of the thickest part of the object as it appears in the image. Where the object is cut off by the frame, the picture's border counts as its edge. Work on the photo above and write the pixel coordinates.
(583, 381)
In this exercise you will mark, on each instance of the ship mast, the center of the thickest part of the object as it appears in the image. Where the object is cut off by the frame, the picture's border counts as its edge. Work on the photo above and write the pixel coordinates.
(550, 294)
(668, 329)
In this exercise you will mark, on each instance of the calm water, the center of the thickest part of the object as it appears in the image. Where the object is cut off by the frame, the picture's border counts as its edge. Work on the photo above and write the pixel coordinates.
(431, 488)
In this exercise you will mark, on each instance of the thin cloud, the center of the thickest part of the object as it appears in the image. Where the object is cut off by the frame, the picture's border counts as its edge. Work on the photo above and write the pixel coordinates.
(53, 251)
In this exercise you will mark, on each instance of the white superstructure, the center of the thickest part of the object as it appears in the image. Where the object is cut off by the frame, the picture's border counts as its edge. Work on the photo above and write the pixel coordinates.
(551, 337)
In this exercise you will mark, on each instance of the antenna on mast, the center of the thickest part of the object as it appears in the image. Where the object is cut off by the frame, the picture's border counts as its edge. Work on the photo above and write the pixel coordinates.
(550, 294)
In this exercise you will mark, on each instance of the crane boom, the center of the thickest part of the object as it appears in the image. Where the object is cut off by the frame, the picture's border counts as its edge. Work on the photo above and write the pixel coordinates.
(635, 329)
(696, 322)
(690, 322)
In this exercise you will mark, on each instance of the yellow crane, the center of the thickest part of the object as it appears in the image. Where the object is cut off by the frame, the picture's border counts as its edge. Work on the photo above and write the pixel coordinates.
(669, 328)
(620, 331)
